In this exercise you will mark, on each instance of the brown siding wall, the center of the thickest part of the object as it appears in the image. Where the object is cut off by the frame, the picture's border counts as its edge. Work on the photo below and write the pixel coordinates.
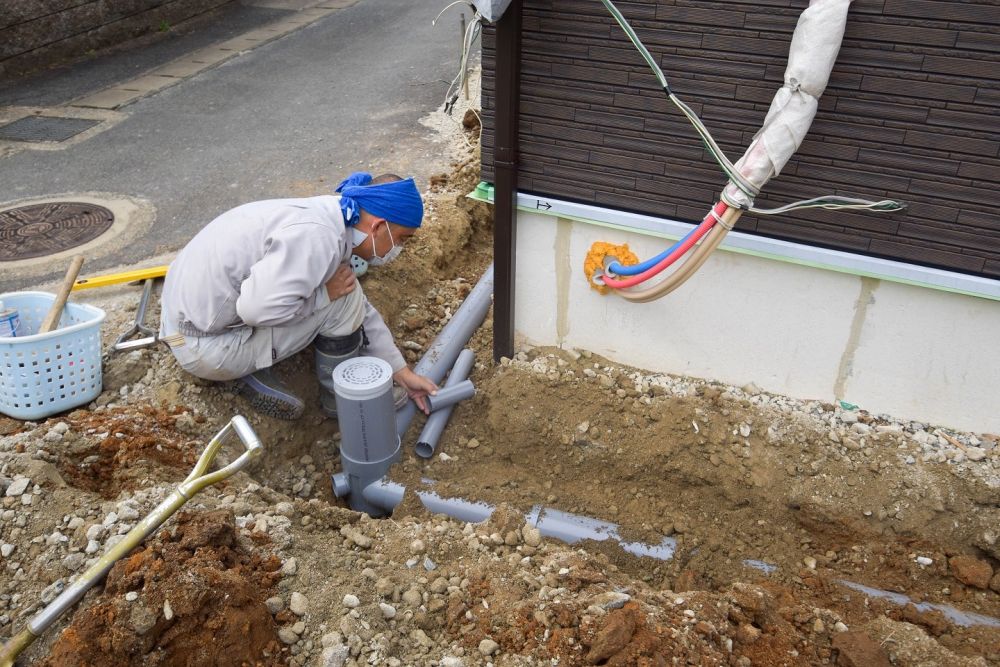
(912, 112)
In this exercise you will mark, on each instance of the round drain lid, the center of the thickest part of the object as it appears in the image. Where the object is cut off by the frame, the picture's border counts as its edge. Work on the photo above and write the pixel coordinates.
(362, 378)
(44, 229)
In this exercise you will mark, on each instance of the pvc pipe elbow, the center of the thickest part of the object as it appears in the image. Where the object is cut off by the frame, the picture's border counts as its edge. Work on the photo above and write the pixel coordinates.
(450, 395)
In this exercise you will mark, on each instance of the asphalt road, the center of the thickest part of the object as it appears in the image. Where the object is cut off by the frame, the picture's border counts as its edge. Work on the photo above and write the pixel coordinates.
(288, 118)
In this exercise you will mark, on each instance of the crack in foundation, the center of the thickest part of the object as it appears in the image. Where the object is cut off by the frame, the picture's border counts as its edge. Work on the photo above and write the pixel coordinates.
(866, 297)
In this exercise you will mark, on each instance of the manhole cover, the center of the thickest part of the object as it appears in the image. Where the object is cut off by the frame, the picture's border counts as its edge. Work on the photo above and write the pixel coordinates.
(45, 229)
(45, 128)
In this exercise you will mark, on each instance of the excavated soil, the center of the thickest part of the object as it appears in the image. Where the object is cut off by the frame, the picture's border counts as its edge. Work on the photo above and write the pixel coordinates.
(776, 510)
(199, 597)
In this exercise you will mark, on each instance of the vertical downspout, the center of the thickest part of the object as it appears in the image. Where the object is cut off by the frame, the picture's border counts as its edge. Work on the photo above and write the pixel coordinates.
(508, 70)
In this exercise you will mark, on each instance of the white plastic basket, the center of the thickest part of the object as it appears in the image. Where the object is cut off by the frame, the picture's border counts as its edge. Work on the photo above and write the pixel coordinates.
(42, 374)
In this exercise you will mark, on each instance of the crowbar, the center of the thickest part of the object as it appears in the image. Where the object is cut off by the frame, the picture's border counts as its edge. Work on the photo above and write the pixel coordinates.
(194, 483)
(117, 278)
(151, 336)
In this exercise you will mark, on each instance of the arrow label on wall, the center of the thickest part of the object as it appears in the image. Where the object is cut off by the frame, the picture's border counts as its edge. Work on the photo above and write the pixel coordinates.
(542, 205)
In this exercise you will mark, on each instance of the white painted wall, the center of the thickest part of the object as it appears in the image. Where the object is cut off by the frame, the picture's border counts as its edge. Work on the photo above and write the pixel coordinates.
(912, 352)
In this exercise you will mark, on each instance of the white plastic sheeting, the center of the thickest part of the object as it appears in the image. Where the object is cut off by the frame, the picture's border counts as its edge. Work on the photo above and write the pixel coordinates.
(491, 10)
(813, 51)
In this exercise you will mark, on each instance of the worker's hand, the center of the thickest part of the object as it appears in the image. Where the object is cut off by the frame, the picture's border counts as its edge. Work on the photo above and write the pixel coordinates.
(342, 283)
(417, 386)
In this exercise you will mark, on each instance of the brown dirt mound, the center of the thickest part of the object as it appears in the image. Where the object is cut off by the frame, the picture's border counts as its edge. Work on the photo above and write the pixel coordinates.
(200, 602)
(123, 443)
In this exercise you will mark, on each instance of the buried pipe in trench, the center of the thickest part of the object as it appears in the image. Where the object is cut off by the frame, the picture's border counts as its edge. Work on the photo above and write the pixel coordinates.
(570, 528)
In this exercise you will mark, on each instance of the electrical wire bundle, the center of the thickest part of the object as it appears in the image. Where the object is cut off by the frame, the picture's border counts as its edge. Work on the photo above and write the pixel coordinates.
(720, 219)
(472, 32)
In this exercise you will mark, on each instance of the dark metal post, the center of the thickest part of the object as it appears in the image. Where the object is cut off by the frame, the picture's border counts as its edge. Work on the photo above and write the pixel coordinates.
(508, 69)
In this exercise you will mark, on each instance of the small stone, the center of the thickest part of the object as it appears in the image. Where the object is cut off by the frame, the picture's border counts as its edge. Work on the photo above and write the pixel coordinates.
(18, 487)
(131, 596)
(74, 562)
(93, 546)
(747, 634)
(289, 567)
(334, 656)
(472, 443)
(975, 453)
(532, 536)
(488, 647)
(287, 636)
(839, 627)
(611, 600)
(142, 619)
(299, 604)
(924, 560)
(451, 661)
(818, 626)
(50, 592)
(388, 611)
(809, 562)
(274, 604)
(168, 611)
(745, 430)
(417, 547)
(299, 627)
(351, 601)
(971, 571)
(413, 597)
(857, 649)
(60, 427)
(6, 550)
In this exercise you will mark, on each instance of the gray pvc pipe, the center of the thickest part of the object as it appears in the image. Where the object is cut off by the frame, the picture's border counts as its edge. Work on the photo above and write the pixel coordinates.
(388, 494)
(554, 523)
(449, 395)
(443, 352)
(436, 422)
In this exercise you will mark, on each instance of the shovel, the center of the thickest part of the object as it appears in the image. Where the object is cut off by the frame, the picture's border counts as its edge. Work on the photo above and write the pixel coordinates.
(194, 483)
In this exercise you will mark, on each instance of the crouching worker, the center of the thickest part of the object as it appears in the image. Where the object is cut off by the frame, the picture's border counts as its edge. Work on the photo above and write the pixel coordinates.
(264, 280)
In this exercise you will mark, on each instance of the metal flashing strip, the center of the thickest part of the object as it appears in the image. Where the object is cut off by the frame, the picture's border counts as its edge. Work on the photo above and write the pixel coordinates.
(759, 246)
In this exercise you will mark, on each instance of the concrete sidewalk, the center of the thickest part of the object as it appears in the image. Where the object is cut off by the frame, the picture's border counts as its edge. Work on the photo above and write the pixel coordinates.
(287, 118)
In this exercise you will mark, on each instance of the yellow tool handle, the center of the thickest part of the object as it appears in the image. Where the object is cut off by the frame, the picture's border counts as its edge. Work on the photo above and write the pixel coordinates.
(117, 278)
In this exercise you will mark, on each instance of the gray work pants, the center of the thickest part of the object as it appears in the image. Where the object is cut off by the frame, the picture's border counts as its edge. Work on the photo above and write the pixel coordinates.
(241, 352)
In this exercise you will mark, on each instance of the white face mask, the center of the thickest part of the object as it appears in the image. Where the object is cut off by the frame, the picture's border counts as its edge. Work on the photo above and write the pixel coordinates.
(358, 237)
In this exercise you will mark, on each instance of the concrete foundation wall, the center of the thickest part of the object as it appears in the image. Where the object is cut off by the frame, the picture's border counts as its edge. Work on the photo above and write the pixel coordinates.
(38, 33)
(912, 352)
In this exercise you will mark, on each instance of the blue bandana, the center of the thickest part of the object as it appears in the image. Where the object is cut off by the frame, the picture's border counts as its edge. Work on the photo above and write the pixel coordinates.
(398, 202)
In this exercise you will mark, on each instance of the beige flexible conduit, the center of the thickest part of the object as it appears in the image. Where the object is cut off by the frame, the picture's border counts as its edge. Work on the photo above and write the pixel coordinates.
(690, 265)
